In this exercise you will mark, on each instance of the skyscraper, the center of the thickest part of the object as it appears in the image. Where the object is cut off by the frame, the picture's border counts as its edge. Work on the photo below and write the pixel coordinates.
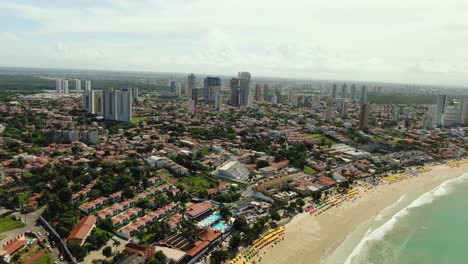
(344, 109)
(58, 86)
(65, 87)
(364, 117)
(464, 112)
(234, 85)
(441, 104)
(258, 92)
(135, 93)
(77, 86)
(218, 99)
(292, 97)
(344, 90)
(93, 102)
(452, 114)
(118, 104)
(244, 91)
(88, 85)
(353, 92)
(212, 85)
(173, 86)
(364, 94)
(191, 84)
(334, 91)
(395, 113)
(266, 92)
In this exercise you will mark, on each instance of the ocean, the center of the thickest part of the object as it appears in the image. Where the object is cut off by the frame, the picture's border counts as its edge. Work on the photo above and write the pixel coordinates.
(433, 229)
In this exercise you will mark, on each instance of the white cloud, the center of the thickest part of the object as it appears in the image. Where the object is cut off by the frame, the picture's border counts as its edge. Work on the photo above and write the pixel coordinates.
(384, 40)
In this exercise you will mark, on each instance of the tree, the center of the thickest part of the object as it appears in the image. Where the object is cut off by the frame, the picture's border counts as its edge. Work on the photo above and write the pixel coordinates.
(128, 193)
(107, 251)
(274, 215)
(224, 212)
(262, 164)
(235, 241)
(116, 243)
(219, 256)
(106, 224)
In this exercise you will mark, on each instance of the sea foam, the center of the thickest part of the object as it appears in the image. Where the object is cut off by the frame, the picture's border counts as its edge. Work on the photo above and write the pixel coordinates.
(378, 234)
(385, 211)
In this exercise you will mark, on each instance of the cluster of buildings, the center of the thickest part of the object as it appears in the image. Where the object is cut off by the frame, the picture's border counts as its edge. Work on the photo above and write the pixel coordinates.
(62, 86)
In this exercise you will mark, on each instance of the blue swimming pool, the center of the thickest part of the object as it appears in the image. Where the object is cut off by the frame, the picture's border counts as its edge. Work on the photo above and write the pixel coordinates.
(209, 220)
(220, 226)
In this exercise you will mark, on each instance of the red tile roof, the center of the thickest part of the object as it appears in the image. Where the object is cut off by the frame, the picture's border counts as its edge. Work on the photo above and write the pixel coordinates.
(198, 208)
(82, 230)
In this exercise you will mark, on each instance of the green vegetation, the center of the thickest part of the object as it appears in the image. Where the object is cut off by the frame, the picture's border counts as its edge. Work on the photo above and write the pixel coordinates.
(198, 183)
(26, 126)
(22, 197)
(403, 99)
(309, 170)
(26, 253)
(138, 119)
(325, 140)
(7, 223)
(14, 85)
(227, 198)
(45, 259)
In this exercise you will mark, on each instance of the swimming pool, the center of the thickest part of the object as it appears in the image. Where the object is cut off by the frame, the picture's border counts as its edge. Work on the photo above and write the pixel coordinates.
(220, 226)
(209, 220)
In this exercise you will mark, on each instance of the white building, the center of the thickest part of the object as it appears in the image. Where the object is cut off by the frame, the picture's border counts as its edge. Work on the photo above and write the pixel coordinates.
(93, 102)
(395, 113)
(441, 104)
(452, 115)
(88, 85)
(118, 104)
(77, 86)
(65, 87)
(233, 170)
(58, 86)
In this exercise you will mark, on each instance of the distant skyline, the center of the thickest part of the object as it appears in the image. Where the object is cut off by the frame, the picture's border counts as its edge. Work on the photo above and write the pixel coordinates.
(418, 42)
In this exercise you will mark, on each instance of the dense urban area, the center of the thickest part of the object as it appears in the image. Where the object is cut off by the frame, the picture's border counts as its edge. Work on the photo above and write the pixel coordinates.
(102, 167)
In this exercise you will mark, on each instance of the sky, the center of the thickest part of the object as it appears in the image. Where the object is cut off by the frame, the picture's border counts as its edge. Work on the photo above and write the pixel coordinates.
(407, 41)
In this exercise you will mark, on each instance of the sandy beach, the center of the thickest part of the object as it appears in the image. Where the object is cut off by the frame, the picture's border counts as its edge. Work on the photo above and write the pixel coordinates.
(311, 239)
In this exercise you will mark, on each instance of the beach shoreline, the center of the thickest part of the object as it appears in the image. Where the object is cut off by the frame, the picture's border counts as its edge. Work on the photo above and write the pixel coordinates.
(314, 239)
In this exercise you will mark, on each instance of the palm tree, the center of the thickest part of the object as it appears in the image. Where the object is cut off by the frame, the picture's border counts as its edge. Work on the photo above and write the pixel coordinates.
(116, 243)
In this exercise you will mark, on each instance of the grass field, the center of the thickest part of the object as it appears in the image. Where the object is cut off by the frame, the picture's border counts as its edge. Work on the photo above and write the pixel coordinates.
(198, 183)
(309, 170)
(45, 259)
(137, 119)
(7, 223)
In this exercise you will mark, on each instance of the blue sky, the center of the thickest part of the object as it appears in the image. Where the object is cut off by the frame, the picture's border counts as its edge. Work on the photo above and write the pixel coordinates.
(417, 41)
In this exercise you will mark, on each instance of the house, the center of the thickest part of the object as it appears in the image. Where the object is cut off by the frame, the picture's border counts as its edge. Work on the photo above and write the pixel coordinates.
(79, 234)
(197, 210)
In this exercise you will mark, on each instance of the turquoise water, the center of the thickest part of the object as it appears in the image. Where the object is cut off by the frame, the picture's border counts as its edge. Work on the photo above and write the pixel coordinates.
(220, 226)
(209, 220)
(432, 230)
